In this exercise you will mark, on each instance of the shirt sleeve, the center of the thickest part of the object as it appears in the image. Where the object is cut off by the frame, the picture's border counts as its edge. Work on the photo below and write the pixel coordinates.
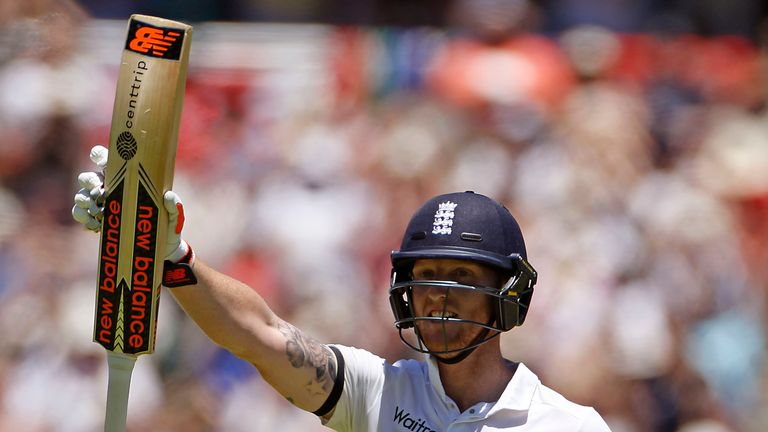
(361, 394)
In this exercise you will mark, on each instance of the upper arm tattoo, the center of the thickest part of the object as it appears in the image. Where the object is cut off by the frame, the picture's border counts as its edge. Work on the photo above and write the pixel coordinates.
(306, 352)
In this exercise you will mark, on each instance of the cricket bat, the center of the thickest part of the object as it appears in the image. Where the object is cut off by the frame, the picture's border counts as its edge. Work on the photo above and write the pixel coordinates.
(142, 138)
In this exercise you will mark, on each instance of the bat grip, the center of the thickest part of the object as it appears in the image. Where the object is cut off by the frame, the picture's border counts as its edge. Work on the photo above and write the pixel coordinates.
(120, 369)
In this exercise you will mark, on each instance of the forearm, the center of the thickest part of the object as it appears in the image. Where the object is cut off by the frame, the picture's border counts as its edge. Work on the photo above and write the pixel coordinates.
(235, 317)
(230, 313)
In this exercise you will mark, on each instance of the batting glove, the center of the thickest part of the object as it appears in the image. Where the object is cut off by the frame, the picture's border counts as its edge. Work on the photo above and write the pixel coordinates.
(89, 200)
(89, 211)
(177, 270)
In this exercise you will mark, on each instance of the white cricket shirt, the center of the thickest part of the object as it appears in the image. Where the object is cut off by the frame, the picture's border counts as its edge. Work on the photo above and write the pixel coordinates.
(407, 396)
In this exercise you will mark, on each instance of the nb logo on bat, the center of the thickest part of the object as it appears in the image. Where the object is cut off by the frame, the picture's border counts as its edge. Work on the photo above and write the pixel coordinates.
(154, 41)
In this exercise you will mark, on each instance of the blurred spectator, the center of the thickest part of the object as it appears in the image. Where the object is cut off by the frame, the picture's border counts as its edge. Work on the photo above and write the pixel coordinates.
(636, 161)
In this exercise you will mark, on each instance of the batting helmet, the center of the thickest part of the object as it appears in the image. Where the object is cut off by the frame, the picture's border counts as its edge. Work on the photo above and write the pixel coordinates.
(464, 226)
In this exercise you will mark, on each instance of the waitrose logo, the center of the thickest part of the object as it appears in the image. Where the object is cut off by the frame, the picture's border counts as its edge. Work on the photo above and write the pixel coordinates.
(406, 420)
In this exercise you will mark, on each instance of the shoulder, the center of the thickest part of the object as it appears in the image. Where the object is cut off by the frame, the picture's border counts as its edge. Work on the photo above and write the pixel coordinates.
(557, 407)
(573, 413)
(357, 359)
(367, 381)
(359, 355)
(548, 397)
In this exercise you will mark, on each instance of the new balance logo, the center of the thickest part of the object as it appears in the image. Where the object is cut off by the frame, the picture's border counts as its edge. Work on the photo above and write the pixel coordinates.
(147, 38)
(154, 41)
(404, 419)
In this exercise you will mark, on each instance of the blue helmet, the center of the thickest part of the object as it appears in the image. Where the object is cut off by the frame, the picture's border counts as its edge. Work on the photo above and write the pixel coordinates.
(465, 226)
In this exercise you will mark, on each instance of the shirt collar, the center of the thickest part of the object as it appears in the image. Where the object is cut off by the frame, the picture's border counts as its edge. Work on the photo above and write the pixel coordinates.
(518, 395)
(434, 379)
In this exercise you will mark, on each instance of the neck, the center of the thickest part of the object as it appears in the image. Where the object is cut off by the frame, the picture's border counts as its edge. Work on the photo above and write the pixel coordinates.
(481, 377)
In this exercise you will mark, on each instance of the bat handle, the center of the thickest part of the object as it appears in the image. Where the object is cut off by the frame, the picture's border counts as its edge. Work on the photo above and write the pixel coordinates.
(120, 369)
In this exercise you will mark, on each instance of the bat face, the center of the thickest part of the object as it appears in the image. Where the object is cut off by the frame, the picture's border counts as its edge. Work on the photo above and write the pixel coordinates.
(143, 138)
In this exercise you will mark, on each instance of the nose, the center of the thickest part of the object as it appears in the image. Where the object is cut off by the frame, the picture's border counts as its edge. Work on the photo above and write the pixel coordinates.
(437, 293)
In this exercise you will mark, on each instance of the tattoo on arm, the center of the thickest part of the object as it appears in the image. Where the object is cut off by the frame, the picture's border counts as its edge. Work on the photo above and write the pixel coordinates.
(306, 352)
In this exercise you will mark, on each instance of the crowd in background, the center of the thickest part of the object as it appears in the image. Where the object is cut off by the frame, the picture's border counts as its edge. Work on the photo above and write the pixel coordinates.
(636, 164)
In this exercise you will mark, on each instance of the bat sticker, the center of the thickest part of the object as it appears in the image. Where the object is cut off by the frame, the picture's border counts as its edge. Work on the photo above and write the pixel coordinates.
(108, 295)
(154, 41)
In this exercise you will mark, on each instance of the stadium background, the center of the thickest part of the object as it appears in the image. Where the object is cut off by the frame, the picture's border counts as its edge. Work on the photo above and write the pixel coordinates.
(629, 137)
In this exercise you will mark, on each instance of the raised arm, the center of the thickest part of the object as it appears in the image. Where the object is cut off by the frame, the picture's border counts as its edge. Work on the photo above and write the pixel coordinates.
(235, 317)
(232, 314)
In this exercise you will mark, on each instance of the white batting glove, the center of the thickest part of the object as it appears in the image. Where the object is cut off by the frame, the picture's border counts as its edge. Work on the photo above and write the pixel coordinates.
(179, 260)
(89, 208)
(176, 248)
(89, 201)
